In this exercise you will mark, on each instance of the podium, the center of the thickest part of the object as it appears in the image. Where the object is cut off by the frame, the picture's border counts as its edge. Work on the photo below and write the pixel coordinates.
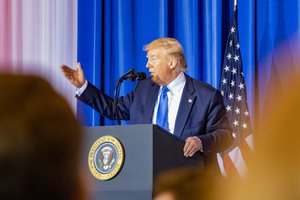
(148, 151)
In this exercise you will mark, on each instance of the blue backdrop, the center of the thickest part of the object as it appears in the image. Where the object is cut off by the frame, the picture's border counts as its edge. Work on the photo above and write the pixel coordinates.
(112, 33)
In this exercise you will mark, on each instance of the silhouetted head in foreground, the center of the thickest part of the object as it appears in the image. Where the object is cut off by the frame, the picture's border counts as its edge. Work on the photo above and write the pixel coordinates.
(274, 172)
(39, 141)
(189, 183)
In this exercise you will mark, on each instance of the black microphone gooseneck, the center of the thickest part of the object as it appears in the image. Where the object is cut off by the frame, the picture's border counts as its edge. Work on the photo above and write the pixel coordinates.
(130, 75)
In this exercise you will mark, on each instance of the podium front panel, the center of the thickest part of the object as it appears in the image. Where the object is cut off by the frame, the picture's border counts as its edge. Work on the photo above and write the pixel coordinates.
(148, 151)
(134, 180)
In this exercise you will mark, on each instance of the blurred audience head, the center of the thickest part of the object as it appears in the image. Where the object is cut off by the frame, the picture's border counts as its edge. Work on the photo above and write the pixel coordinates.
(189, 183)
(274, 171)
(39, 141)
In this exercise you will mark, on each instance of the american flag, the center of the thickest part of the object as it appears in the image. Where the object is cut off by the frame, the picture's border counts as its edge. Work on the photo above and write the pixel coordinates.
(233, 89)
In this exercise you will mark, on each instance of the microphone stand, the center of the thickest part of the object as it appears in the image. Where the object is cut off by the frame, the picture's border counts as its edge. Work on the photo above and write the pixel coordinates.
(116, 93)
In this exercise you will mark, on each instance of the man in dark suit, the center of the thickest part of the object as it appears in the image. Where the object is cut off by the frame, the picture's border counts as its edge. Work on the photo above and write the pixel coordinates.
(187, 108)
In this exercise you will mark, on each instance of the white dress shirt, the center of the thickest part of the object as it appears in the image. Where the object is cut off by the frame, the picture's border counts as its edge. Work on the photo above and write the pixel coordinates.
(174, 97)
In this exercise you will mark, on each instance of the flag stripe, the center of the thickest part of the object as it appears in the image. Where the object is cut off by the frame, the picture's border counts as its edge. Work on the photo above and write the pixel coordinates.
(229, 166)
(238, 160)
(245, 151)
(220, 162)
(249, 140)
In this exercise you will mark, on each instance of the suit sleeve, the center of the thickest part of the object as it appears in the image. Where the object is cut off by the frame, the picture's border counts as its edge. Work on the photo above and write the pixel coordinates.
(218, 135)
(104, 104)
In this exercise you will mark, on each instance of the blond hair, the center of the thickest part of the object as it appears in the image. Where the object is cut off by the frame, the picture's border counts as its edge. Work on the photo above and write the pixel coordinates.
(171, 47)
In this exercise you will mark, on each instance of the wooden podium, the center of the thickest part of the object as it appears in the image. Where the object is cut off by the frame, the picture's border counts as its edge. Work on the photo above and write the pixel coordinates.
(148, 151)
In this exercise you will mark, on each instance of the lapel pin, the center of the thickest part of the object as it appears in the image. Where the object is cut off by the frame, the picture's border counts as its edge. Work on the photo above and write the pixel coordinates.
(190, 100)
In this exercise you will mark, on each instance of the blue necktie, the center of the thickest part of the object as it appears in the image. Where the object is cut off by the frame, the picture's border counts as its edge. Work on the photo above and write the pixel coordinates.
(162, 111)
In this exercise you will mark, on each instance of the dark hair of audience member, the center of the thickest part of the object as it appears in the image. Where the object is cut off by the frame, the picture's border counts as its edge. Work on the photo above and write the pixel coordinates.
(39, 141)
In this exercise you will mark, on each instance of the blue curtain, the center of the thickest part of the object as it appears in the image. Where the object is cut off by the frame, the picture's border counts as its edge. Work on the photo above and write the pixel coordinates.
(112, 33)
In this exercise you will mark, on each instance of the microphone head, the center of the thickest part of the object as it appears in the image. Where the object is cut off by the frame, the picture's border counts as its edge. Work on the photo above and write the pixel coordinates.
(130, 75)
(140, 76)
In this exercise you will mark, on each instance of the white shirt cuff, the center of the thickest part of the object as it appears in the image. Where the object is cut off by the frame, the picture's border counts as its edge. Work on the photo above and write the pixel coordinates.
(79, 91)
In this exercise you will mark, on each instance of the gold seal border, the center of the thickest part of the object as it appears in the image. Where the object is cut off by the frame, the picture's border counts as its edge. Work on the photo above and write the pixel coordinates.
(120, 158)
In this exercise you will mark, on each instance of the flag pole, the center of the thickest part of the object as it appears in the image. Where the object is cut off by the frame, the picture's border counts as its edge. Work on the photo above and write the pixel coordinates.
(235, 5)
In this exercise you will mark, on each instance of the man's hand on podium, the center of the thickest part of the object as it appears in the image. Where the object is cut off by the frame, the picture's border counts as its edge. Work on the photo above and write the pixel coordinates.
(192, 145)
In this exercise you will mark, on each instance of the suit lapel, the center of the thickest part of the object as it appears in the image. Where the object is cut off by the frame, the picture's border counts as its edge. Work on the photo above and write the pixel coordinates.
(186, 103)
(152, 93)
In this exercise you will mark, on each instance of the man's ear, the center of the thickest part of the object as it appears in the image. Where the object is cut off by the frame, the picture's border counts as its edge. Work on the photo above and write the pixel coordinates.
(173, 63)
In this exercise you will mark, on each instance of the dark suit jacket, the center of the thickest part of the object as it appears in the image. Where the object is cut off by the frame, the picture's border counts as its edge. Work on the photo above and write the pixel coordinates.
(201, 112)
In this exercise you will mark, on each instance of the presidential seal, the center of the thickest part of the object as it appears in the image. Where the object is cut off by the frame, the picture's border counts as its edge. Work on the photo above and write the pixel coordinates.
(106, 157)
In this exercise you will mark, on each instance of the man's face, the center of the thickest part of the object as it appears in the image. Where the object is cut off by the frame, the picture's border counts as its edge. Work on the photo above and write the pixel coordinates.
(159, 66)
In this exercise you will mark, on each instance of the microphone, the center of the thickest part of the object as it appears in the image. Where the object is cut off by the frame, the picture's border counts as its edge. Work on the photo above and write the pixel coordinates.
(131, 75)
(137, 76)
